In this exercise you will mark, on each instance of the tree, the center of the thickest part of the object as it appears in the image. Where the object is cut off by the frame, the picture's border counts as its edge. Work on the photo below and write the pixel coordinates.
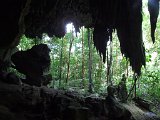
(90, 89)
(69, 55)
(61, 62)
(109, 64)
(83, 68)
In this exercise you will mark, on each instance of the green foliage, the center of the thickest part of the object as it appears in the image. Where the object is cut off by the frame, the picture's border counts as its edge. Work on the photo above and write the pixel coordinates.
(27, 43)
(150, 85)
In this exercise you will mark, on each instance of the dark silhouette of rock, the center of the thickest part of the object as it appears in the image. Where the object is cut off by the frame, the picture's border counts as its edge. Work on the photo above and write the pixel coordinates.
(5, 58)
(10, 78)
(142, 103)
(122, 89)
(34, 63)
(46, 79)
(6, 114)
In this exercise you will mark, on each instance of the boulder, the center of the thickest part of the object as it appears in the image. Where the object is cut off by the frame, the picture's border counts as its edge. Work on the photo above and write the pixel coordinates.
(33, 63)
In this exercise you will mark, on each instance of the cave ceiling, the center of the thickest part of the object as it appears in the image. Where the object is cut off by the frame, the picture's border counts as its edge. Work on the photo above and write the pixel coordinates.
(35, 17)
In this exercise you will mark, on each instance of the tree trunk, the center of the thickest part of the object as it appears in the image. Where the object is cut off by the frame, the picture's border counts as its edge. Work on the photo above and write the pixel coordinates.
(60, 67)
(100, 67)
(127, 69)
(83, 70)
(90, 63)
(109, 65)
(69, 55)
(111, 60)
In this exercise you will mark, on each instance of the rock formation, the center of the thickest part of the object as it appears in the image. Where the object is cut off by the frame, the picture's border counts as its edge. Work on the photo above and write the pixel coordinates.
(34, 63)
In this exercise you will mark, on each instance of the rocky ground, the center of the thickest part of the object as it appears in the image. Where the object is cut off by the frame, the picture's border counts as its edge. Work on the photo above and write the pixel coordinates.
(25, 102)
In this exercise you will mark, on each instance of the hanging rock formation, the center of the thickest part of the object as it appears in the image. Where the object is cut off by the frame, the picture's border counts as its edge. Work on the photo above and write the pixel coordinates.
(33, 18)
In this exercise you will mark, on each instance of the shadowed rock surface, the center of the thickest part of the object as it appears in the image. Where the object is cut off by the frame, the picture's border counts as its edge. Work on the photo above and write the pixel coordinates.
(25, 102)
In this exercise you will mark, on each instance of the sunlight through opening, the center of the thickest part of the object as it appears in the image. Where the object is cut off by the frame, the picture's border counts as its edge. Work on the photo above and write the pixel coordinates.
(70, 28)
